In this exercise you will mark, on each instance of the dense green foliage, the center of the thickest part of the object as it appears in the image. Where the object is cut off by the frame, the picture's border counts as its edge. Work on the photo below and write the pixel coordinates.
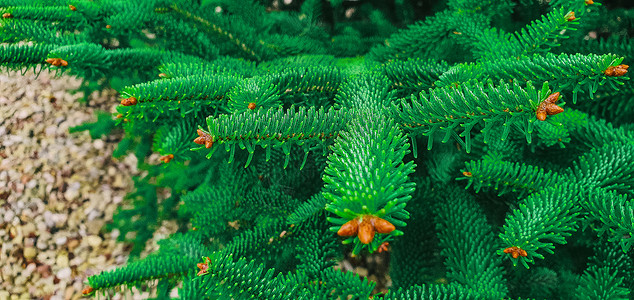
(290, 135)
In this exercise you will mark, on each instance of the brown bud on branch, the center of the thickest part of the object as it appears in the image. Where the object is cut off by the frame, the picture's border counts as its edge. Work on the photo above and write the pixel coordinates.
(87, 291)
(383, 226)
(167, 158)
(129, 101)
(57, 62)
(515, 252)
(366, 232)
(204, 139)
(616, 71)
(350, 228)
(570, 16)
(365, 227)
(548, 107)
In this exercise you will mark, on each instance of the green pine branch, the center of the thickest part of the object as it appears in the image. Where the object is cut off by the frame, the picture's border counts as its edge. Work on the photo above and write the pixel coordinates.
(175, 258)
(601, 283)
(584, 73)
(538, 37)
(468, 245)
(276, 128)
(433, 291)
(612, 215)
(506, 177)
(542, 219)
(453, 111)
(366, 174)
(414, 75)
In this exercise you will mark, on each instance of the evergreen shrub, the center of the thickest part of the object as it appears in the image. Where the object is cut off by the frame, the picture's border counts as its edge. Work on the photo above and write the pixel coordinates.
(486, 145)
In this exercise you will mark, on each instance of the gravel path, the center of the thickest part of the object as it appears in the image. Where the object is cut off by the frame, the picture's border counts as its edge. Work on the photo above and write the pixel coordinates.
(56, 189)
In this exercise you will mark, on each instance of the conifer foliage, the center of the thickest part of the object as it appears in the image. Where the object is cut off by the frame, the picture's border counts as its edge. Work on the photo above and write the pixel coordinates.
(288, 135)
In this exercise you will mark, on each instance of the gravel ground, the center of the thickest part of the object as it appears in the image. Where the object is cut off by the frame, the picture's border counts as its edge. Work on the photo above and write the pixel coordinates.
(57, 189)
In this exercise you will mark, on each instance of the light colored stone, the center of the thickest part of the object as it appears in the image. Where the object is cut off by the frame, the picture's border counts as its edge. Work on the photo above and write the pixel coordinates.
(42, 244)
(92, 215)
(30, 268)
(20, 280)
(98, 144)
(94, 226)
(68, 294)
(31, 184)
(50, 131)
(64, 273)
(62, 260)
(48, 177)
(72, 244)
(28, 242)
(47, 257)
(4, 295)
(93, 240)
(8, 216)
(61, 240)
(363, 272)
(28, 228)
(41, 225)
(118, 181)
(44, 270)
(71, 195)
(23, 114)
(30, 252)
(97, 261)
(43, 240)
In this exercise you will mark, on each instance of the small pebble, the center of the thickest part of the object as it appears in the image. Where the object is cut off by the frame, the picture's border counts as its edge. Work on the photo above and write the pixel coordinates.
(8, 216)
(61, 240)
(63, 274)
(44, 270)
(72, 244)
(93, 240)
(28, 228)
(30, 253)
(62, 260)
(98, 144)
(363, 272)
(29, 269)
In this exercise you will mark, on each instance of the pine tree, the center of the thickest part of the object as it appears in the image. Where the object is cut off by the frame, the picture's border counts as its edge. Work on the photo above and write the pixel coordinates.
(290, 135)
